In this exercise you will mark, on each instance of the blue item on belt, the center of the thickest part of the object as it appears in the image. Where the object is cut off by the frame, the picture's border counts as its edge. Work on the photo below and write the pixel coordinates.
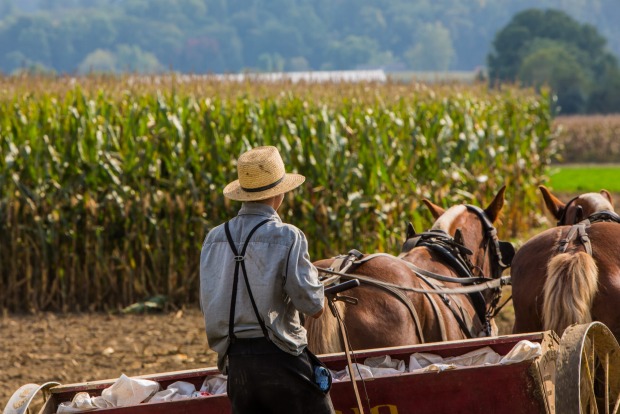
(322, 377)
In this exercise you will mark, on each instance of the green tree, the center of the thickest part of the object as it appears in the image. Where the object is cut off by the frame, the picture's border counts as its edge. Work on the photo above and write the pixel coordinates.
(605, 97)
(549, 47)
(351, 52)
(556, 67)
(133, 59)
(432, 50)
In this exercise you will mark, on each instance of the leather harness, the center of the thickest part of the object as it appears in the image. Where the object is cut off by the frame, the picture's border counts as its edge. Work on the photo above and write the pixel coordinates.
(579, 231)
(453, 254)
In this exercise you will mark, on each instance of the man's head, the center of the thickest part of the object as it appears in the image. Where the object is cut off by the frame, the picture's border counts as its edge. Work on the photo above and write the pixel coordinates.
(261, 176)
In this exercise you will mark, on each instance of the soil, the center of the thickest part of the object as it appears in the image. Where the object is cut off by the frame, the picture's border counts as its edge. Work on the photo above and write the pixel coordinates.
(85, 347)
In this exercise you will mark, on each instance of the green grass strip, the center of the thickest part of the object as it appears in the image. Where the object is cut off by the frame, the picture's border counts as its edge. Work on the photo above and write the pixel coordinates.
(585, 178)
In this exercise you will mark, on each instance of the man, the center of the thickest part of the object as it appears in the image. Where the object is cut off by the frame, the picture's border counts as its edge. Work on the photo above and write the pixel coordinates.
(255, 278)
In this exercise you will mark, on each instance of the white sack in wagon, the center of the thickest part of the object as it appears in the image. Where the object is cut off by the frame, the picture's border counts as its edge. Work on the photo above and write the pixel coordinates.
(427, 362)
(522, 351)
(373, 367)
(124, 392)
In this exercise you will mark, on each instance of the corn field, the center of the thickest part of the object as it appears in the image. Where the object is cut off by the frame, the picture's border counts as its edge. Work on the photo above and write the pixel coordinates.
(588, 139)
(109, 185)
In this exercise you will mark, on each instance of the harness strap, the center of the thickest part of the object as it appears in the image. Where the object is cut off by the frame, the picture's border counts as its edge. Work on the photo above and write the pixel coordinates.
(562, 220)
(432, 275)
(577, 230)
(440, 321)
(585, 239)
(493, 284)
(604, 216)
(491, 232)
(240, 262)
(394, 289)
(458, 317)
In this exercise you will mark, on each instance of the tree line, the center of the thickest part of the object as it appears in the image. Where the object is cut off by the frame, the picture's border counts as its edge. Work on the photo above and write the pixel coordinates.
(218, 36)
(549, 48)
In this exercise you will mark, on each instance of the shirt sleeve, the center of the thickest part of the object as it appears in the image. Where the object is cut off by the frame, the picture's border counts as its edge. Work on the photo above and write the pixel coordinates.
(302, 283)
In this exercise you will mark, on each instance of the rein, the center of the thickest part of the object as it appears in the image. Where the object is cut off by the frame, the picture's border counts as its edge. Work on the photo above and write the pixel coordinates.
(456, 256)
(491, 284)
(331, 299)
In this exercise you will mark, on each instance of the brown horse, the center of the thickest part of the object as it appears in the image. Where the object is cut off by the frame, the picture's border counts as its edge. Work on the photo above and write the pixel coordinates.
(461, 246)
(570, 273)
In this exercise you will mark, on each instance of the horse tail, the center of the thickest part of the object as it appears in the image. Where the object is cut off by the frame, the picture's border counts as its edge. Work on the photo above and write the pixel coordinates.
(323, 333)
(572, 282)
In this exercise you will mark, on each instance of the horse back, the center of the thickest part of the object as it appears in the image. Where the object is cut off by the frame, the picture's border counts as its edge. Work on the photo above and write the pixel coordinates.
(529, 273)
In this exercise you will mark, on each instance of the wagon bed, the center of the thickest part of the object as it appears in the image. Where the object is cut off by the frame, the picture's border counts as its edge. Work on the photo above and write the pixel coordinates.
(571, 374)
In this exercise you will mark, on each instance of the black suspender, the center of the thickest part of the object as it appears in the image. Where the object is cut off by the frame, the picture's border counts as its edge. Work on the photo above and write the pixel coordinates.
(239, 261)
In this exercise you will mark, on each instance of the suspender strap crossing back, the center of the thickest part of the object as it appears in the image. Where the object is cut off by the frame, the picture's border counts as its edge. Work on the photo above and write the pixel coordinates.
(240, 263)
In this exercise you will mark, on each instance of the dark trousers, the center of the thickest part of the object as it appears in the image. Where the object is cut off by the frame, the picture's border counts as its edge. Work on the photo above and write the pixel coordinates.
(264, 379)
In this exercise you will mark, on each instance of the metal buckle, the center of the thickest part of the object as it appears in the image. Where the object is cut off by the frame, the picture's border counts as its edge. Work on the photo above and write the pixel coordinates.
(238, 258)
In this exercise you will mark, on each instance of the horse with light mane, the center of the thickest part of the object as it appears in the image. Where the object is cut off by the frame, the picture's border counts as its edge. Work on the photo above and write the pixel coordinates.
(570, 273)
(389, 310)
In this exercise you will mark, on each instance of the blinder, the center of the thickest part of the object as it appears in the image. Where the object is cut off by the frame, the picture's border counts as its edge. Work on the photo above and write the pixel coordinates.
(508, 253)
(499, 247)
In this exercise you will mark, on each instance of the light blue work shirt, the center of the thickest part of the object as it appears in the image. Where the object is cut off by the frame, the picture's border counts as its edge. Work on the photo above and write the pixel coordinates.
(283, 282)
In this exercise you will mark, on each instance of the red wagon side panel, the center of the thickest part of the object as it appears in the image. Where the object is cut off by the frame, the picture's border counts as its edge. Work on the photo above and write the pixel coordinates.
(494, 389)
(506, 389)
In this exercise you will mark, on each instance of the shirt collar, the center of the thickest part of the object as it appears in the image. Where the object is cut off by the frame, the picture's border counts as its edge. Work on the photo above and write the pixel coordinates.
(258, 209)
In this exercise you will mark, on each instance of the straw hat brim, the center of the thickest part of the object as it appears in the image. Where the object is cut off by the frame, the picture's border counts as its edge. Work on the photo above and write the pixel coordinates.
(288, 183)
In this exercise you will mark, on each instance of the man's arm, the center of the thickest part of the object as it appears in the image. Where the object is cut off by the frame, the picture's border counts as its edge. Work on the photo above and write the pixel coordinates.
(302, 279)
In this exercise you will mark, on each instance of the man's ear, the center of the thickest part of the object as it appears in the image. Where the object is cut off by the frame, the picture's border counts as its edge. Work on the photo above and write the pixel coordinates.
(554, 205)
(436, 211)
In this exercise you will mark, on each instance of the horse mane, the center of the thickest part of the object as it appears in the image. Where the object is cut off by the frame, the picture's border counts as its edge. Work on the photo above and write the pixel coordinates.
(323, 333)
(445, 220)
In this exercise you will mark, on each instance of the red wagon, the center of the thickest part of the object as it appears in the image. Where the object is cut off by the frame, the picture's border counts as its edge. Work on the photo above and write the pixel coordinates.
(579, 373)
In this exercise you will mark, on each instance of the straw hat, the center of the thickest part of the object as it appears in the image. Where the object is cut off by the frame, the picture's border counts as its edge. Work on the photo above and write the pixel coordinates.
(261, 175)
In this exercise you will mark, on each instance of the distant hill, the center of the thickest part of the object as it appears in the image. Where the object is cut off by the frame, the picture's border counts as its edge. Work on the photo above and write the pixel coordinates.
(267, 35)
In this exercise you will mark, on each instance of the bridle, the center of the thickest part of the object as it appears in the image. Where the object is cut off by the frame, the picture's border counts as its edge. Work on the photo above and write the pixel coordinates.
(498, 263)
(598, 216)
(501, 256)
(490, 239)
(578, 213)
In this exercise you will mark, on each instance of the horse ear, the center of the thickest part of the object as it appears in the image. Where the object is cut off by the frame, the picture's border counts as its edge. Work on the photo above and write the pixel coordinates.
(458, 237)
(554, 205)
(493, 210)
(410, 231)
(436, 211)
(606, 194)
